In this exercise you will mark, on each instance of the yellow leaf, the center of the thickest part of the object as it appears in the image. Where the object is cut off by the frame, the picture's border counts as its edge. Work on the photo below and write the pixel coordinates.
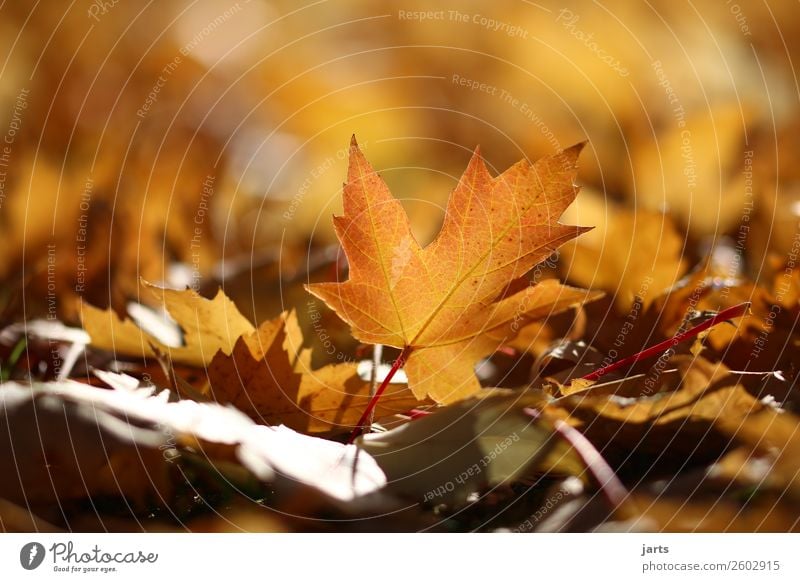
(632, 253)
(209, 325)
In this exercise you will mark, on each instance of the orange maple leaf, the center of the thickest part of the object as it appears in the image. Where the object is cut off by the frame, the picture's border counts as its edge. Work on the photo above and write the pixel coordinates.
(456, 300)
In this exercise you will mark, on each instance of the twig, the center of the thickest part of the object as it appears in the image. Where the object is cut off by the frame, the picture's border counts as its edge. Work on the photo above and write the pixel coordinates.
(609, 483)
(725, 314)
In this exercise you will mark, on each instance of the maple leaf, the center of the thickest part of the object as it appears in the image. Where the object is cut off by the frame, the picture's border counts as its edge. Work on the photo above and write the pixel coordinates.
(208, 325)
(264, 372)
(269, 378)
(451, 303)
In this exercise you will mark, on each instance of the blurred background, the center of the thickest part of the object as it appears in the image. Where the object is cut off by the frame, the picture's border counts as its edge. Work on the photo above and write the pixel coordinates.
(204, 143)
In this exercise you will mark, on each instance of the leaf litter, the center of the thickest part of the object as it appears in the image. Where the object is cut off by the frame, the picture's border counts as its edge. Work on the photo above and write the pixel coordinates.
(245, 419)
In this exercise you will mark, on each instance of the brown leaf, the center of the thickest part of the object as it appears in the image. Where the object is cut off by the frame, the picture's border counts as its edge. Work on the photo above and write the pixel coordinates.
(772, 437)
(672, 171)
(60, 449)
(269, 378)
(470, 445)
(662, 416)
(92, 442)
(208, 325)
(670, 514)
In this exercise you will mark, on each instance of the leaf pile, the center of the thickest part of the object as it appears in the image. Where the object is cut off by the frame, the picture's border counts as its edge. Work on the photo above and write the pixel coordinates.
(185, 394)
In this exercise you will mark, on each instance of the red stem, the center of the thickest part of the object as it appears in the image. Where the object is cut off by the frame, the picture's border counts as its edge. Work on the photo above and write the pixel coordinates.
(725, 314)
(398, 363)
(609, 483)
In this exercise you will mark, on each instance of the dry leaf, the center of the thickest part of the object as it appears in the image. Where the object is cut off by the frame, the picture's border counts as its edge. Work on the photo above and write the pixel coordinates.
(208, 325)
(270, 379)
(264, 372)
(670, 514)
(692, 162)
(678, 419)
(60, 449)
(630, 254)
(469, 446)
(115, 442)
(772, 435)
(449, 303)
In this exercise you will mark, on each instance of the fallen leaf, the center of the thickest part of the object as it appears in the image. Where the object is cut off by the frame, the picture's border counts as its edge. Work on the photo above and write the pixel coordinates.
(16, 519)
(772, 438)
(664, 414)
(114, 442)
(451, 303)
(670, 514)
(702, 157)
(269, 378)
(632, 253)
(469, 446)
(561, 362)
(59, 449)
(208, 325)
